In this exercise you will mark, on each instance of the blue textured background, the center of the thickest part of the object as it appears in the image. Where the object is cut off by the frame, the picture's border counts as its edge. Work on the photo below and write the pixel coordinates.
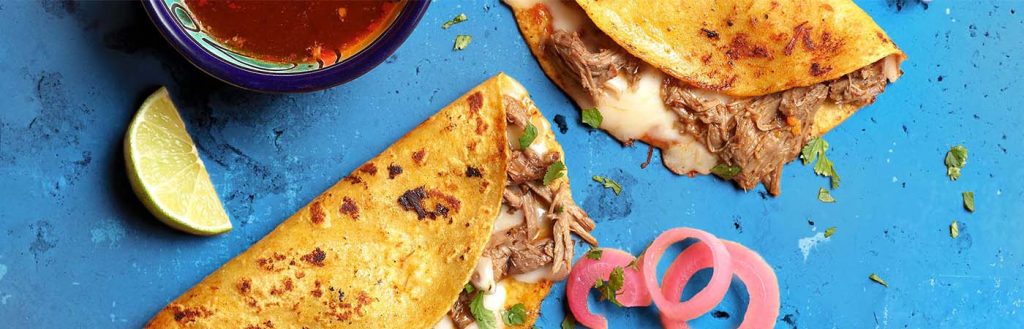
(78, 250)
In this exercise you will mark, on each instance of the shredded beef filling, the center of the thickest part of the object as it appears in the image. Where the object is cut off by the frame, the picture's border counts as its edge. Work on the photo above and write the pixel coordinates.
(759, 134)
(525, 248)
(592, 69)
(460, 313)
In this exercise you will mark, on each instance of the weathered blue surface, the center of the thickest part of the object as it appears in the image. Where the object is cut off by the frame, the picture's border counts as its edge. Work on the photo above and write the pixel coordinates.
(77, 249)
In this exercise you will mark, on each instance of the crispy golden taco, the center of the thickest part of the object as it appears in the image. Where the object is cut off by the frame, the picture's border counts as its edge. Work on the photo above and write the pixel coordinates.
(732, 87)
(463, 211)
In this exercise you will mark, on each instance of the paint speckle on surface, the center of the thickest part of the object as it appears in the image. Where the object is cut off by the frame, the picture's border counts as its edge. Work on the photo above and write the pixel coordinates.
(109, 231)
(44, 241)
(3, 271)
(811, 242)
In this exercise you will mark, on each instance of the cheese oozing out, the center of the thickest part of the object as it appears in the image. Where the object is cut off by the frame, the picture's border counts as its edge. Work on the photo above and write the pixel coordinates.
(483, 274)
(637, 111)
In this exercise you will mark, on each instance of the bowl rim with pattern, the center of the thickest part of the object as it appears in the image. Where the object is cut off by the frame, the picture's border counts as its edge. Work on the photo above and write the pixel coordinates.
(224, 64)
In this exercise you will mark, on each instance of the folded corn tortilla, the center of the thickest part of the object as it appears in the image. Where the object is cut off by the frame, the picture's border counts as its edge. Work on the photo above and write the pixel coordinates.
(738, 84)
(394, 244)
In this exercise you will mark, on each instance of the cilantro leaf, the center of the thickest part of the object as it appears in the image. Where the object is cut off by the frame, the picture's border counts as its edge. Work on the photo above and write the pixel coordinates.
(830, 231)
(456, 20)
(610, 289)
(813, 148)
(462, 41)
(954, 229)
(969, 201)
(878, 279)
(569, 322)
(825, 196)
(515, 315)
(609, 183)
(595, 253)
(592, 117)
(468, 288)
(529, 134)
(555, 171)
(956, 158)
(815, 151)
(484, 318)
(725, 171)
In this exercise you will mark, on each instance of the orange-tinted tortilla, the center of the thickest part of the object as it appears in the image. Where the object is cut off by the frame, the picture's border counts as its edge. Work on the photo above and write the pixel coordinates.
(745, 47)
(356, 257)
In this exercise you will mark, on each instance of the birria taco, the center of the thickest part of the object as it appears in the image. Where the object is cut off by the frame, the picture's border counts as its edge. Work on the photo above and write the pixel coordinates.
(732, 87)
(463, 218)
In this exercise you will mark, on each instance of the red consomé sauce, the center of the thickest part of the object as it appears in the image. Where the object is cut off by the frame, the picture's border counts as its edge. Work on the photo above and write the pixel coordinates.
(300, 31)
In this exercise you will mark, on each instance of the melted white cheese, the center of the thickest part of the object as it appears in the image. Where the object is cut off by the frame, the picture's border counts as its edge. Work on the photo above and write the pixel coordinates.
(445, 323)
(483, 275)
(543, 273)
(686, 155)
(632, 113)
(506, 220)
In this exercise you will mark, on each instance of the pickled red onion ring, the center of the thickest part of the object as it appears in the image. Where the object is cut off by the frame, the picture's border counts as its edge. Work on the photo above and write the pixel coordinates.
(756, 274)
(587, 271)
(707, 298)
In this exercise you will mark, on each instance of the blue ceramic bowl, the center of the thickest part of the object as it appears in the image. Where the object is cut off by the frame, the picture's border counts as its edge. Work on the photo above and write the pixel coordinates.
(179, 26)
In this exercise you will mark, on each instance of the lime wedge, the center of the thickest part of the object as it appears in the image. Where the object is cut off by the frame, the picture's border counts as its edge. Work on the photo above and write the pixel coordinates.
(166, 172)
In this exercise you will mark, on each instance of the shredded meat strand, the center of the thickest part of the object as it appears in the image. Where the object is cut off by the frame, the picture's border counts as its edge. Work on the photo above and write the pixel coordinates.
(592, 69)
(515, 113)
(460, 313)
(526, 165)
(530, 215)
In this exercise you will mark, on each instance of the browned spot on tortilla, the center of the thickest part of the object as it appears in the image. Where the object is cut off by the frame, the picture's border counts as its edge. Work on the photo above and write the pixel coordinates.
(417, 156)
(817, 69)
(473, 172)
(394, 170)
(480, 126)
(741, 48)
(289, 284)
(826, 46)
(709, 33)
(369, 168)
(476, 101)
(472, 146)
(268, 263)
(718, 86)
(450, 200)
(412, 200)
(353, 179)
(881, 36)
(316, 292)
(316, 213)
(315, 257)
(362, 300)
(185, 315)
(349, 207)
(244, 286)
(706, 59)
